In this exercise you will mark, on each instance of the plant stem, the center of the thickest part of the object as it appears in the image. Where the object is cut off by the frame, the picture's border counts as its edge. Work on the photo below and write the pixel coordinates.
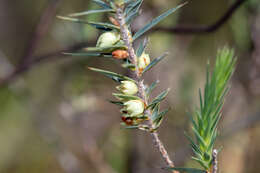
(214, 161)
(127, 38)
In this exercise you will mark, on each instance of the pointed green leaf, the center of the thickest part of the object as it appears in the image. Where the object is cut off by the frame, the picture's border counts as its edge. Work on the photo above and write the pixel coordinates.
(88, 54)
(131, 17)
(201, 162)
(193, 144)
(199, 138)
(150, 88)
(116, 102)
(159, 117)
(131, 127)
(92, 12)
(102, 4)
(98, 25)
(141, 47)
(126, 97)
(155, 111)
(133, 6)
(105, 49)
(159, 98)
(155, 21)
(112, 75)
(154, 62)
(186, 170)
(132, 10)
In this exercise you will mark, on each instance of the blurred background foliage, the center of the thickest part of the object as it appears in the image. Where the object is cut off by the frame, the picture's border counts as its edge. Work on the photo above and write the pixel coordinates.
(56, 118)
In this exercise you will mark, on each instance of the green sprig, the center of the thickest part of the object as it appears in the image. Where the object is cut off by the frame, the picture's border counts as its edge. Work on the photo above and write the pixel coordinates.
(206, 117)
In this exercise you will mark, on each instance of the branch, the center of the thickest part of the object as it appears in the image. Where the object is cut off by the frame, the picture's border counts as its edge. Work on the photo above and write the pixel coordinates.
(42, 27)
(204, 29)
(39, 59)
(136, 75)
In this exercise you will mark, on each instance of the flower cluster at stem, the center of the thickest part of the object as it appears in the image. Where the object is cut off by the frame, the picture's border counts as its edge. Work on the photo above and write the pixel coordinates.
(133, 107)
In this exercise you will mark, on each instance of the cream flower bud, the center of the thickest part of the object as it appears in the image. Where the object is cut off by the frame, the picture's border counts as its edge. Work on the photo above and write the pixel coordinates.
(127, 87)
(133, 108)
(108, 39)
(143, 61)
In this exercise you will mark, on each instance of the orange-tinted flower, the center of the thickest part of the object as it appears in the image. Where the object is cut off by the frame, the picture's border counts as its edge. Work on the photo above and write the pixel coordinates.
(120, 54)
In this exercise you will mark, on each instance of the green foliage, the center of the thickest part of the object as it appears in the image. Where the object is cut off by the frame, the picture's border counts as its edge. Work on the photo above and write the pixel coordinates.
(155, 21)
(125, 97)
(91, 12)
(157, 116)
(154, 62)
(104, 49)
(88, 54)
(187, 170)
(102, 4)
(149, 89)
(132, 10)
(116, 77)
(158, 99)
(141, 47)
(97, 25)
(206, 118)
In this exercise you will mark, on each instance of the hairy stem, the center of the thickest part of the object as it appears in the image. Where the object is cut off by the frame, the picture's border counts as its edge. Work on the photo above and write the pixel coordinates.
(214, 161)
(127, 38)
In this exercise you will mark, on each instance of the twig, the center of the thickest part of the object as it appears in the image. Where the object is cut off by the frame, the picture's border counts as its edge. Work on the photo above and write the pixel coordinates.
(132, 57)
(41, 29)
(214, 161)
(204, 29)
(39, 59)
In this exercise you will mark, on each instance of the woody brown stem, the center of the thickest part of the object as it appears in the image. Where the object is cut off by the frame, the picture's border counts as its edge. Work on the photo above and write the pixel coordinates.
(127, 38)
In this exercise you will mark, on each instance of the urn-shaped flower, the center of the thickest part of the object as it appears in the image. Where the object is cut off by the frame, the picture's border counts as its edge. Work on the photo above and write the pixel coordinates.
(127, 87)
(133, 108)
(143, 61)
(108, 39)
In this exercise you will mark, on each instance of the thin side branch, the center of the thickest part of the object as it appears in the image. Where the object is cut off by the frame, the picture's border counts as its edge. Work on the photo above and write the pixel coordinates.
(41, 29)
(204, 29)
(132, 56)
(35, 60)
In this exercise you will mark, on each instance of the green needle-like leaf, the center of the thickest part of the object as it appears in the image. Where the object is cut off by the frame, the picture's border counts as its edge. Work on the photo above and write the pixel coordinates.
(150, 88)
(116, 103)
(104, 49)
(102, 4)
(157, 120)
(186, 170)
(98, 25)
(92, 12)
(141, 47)
(133, 6)
(88, 54)
(112, 75)
(154, 62)
(126, 97)
(155, 21)
(158, 99)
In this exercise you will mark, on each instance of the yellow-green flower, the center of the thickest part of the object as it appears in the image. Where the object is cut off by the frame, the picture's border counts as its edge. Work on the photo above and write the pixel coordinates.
(143, 61)
(127, 87)
(108, 39)
(133, 108)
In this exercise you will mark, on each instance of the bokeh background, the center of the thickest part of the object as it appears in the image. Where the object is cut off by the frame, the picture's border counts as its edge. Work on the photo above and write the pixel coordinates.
(54, 113)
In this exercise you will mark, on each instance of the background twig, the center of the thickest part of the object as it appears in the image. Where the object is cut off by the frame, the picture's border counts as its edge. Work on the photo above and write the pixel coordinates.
(204, 29)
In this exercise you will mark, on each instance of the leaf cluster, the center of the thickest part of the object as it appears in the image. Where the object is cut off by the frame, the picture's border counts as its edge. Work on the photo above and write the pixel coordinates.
(206, 117)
